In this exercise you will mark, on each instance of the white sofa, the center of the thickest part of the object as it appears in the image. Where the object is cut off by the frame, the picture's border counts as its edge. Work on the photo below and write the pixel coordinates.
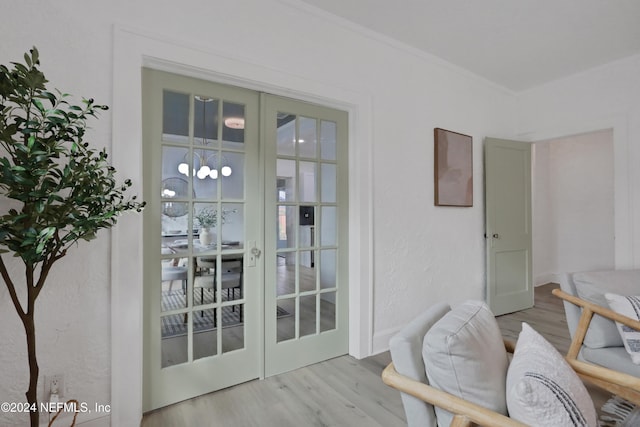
(602, 344)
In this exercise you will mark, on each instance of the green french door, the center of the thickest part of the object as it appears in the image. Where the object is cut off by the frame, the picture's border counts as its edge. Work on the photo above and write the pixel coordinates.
(306, 223)
(245, 236)
(202, 296)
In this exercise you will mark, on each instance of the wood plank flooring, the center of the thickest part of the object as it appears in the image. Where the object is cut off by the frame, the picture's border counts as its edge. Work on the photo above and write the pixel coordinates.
(341, 391)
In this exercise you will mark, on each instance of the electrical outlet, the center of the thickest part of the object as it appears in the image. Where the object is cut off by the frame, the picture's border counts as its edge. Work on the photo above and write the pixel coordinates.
(54, 384)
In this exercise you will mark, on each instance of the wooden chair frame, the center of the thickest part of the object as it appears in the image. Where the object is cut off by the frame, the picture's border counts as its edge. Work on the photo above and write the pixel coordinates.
(467, 414)
(624, 385)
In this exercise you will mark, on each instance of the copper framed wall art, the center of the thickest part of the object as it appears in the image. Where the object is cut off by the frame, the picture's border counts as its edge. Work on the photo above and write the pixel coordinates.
(453, 169)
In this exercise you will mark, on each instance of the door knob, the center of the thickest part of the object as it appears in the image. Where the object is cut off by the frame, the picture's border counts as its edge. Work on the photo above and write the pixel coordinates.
(496, 236)
(254, 253)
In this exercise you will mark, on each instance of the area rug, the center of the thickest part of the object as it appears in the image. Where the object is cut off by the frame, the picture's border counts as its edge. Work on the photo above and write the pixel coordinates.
(203, 320)
(617, 412)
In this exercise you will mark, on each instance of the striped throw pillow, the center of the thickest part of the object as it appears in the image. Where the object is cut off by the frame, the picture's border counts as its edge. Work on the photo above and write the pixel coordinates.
(542, 389)
(630, 307)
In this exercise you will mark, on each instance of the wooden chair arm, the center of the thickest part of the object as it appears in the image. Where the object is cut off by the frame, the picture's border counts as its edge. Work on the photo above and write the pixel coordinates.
(601, 373)
(466, 412)
(619, 383)
(598, 309)
(509, 345)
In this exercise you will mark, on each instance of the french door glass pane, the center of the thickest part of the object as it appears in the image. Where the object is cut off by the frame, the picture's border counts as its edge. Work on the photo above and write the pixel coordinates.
(328, 183)
(286, 324)
(328, 219)
(205, 122)
(286, 273)
(206, 222)
(306, 271)
(327, 140)
(307, 315)
(328, 272)
(232, 328)
(306, 237)
(307, 140)
(175, 235)
(285, 227)
(233, 125)
(205, 336)
(232, 220)
(174, 285)
(327, 311)
(231, 175)
(174, 205)
(174, 339)
(286, 138)
(286, 171)
(172, 159)
(175, 117)
(204, 163)
(307, 180)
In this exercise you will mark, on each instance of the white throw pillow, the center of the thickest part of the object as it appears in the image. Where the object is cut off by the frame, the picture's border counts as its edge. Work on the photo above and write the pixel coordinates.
(542, 389)
(464, 355)
(630, 307)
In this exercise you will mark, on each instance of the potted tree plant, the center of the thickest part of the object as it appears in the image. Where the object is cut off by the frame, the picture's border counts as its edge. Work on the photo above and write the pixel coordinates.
(63, 191)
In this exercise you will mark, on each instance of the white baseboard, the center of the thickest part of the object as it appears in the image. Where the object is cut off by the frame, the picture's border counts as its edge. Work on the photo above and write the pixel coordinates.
(381, 340)
(97, 422)
(543, 279)
(84, 419)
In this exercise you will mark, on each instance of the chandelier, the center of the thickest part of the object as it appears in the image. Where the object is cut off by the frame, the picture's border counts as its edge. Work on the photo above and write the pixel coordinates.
(204, 169)
(204, 160)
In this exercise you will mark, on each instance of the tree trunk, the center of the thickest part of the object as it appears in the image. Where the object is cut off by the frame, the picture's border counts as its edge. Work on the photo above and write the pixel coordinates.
(32, 392)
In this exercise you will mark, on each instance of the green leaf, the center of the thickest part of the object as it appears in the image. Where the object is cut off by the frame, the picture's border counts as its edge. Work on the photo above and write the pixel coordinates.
(38, 104)
(35, 55)
(66, 189)
(89, 236)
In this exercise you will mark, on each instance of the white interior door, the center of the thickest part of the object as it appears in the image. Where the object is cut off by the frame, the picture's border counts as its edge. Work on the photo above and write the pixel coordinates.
(306, 238)
(508, 225)
(202, 288)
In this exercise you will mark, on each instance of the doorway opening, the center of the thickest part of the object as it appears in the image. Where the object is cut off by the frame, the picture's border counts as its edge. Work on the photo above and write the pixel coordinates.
(573, 205)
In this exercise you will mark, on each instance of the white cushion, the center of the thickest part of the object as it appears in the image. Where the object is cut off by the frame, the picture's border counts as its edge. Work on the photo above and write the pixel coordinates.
(464, 355)
(615, 358)
(591, 286)
(630, 307)
(542, 389)
(406, 354)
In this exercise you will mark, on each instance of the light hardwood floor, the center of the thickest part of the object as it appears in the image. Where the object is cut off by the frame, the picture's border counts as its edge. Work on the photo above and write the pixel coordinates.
(342, 391)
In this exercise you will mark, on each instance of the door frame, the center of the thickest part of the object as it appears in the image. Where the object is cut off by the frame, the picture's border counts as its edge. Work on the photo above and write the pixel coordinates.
(623, 218)
(134, 49)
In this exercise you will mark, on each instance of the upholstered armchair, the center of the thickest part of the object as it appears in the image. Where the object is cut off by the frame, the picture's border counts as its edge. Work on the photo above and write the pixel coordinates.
(595, 339)
(452, 367)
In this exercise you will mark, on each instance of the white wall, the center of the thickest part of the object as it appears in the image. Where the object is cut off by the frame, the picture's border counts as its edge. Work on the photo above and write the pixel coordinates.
(602, 98)
(409, 254)
(406, 253)
(573, 205)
